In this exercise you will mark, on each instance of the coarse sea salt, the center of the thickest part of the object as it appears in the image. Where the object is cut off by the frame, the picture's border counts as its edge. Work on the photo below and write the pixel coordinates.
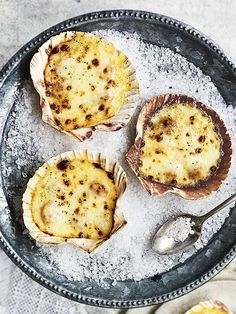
(128, 254)
(181, 229)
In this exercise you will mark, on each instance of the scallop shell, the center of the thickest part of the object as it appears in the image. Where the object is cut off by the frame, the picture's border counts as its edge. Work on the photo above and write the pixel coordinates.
(203, 188)
(208, 305)
(37, 66)
(86, 244)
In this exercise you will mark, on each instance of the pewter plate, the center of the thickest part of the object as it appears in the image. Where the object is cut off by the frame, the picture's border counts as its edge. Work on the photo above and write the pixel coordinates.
(158, 30)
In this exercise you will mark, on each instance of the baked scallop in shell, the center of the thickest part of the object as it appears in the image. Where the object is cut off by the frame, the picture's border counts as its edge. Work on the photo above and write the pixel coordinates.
(74, 198)
(85, 84)
(209, 307)
(182, 147)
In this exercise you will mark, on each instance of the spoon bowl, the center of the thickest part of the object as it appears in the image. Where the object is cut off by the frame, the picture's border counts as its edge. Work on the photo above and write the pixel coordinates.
(169, 239)
(164, 244)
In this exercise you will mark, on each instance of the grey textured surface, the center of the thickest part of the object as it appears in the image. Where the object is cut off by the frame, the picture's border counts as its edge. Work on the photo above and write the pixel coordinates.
(20, 21)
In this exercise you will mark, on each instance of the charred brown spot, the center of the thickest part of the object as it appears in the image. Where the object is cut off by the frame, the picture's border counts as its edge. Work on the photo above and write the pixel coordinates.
(174, 182)
(84, 194)
(76, 211)
(71, 193)
(168, 122)
(58, 110)
(80, 235)
(111, 82)
(191, 118)
(105, 206)
(55, 50)
(68, 121)
(100, 233)
(105, 98)
(105, 70)
(63, 165)
(101, 107)
(159, 138)
(95, 62)
(213, 168)
(92, 88)
(187, 134)
(65, 48)
(88, 67)
(67, 182)
(66, 106)
(81, 182)
(68, 87)
(53, 106)
(97, 165)
(48, 94)
(198, 150)
(57, 122)
(194, 174)
(170, 176)
(150, 177)
(88, 117)
(202, 138)
(110, 175)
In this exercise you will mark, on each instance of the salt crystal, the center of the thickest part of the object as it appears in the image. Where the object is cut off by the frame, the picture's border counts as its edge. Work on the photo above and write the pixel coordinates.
(181, 229)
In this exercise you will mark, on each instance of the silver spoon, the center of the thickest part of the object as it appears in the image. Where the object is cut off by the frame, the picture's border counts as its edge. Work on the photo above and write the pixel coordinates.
(164, 244)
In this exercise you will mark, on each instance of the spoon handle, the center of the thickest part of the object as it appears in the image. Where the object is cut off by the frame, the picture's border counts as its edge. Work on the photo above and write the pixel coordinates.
(228, 201)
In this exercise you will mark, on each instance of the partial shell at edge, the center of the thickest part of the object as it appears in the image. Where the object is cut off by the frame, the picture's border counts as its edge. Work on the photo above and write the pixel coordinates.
(208, 305)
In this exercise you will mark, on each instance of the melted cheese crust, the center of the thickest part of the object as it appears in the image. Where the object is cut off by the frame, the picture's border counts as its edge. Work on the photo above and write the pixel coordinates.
(86, 81)
(181, 146)
(75, 199)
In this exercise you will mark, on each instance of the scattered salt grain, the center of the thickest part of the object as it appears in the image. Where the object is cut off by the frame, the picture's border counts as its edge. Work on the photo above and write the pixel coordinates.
(128, 253)
(181, 229)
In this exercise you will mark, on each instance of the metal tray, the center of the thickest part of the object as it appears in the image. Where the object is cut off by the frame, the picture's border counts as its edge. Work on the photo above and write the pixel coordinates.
(199, 50)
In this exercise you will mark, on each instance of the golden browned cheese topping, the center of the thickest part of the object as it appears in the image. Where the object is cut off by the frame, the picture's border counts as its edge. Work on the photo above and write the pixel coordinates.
(75, 198)
(181, 146)
(86, 81)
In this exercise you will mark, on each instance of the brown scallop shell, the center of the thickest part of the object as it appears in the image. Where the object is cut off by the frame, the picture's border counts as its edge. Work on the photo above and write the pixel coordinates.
(86, 244)
(37, 67)
(203, 188)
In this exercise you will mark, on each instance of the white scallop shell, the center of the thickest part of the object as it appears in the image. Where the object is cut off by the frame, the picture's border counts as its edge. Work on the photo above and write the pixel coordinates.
(37, 67)
(86, 244)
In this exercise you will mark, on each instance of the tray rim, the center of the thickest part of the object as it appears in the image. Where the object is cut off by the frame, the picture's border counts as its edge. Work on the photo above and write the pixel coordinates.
(17, 59)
